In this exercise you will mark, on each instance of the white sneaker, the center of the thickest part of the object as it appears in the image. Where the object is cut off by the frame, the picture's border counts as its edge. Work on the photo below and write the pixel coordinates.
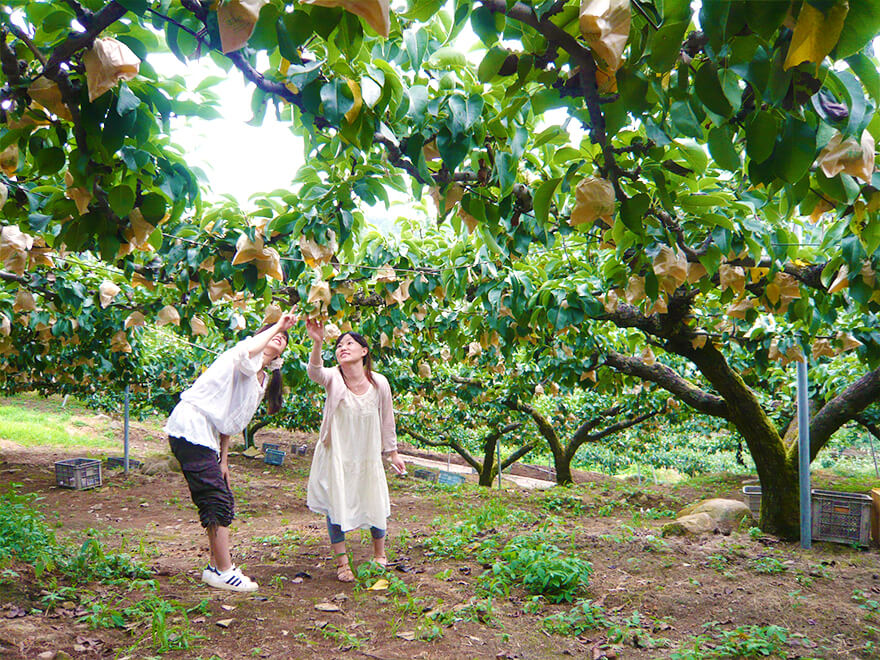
(231, 580)
(209, 570)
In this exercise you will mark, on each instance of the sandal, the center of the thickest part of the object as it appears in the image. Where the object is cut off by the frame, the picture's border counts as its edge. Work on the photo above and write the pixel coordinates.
(343, 570)
(381, 560)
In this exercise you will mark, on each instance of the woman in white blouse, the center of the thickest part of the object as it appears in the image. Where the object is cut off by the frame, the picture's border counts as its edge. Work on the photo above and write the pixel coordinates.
(220, 404)
(347, 479)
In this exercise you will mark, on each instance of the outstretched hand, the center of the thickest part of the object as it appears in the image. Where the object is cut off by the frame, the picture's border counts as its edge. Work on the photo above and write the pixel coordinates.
(286, 321)
(315, 329)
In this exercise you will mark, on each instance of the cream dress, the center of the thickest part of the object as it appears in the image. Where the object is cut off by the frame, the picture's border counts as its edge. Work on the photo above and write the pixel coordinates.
(347, 479)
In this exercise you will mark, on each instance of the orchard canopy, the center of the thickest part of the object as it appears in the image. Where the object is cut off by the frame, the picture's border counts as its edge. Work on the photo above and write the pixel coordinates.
(624, 191)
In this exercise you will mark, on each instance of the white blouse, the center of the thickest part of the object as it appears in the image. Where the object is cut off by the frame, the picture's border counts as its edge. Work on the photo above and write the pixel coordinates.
(222, 400)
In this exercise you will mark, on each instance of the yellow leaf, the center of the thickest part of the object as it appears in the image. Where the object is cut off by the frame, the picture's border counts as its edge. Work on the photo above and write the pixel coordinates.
(823, 347)
(470, 221)
(139, 230)
(80, 196)
(271, 314)
(9, 159)
(14, 247)
(594, 199)
(739, 309)
(605, 26)
(319, 292)
(635, 289)
(198, 326)
(400, 294)
(375, 12)
(385, 274)
(355, 110)
(137, 279)
(379, 585)
(849, 342)
(236, 20)
(815, 34)
(107, 292)
(454, 193)
(218, 290)
(119, 343)
(610, 301)
(168, 315)
(46, 94)
(848, 156)
(732, 277)
(316, 254)
(134, 319)
(671, 268)
(24, 302)
(107, 62)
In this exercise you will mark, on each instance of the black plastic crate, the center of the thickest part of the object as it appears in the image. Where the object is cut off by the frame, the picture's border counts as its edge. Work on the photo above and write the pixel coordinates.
(78, 473)
(841, 517)
(427, 475)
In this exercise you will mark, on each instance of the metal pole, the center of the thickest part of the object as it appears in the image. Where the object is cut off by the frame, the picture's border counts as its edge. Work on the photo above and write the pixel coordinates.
(803, 410)
(498, 448)
(871, 442)
(125, 431)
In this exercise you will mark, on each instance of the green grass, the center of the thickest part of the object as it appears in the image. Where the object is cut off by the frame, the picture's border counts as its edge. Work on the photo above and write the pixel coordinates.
(36, 428)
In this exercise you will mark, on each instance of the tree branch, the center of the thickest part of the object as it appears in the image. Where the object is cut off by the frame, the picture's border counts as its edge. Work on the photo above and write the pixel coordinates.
(842, 408)
(672, 382)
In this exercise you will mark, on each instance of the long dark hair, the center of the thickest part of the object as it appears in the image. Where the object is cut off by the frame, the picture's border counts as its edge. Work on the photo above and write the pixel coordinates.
(273, 394)
(368, 358)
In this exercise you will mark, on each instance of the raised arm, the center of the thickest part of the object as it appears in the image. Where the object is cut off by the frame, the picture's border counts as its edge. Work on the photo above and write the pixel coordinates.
(316, 370)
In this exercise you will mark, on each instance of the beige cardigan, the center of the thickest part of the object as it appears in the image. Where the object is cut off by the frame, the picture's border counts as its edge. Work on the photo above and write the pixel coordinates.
(331, 380)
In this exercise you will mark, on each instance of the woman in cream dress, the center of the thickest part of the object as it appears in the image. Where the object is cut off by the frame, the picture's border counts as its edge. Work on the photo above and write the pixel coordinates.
(347, 479)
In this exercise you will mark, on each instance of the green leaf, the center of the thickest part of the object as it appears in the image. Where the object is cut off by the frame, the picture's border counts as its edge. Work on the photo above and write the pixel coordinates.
(50, 160)
(121, 200)
(465, 112)
(761, 134)
(666, 45)
(765, 17)
(422, 10)
(336, 99)
(485, 24)
(293, 30)
(684, 120)
(265, 35)
(709, 90)
(632, 212)
(172, 32)
(866, 70)
(796, 151)
(542, 198)
(127, 100)
(153, 207)
(491, 64)
(722, 149)
(861, 25)
(138, 7)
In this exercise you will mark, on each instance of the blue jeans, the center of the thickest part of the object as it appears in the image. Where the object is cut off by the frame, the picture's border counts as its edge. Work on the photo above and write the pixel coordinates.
(338, 536)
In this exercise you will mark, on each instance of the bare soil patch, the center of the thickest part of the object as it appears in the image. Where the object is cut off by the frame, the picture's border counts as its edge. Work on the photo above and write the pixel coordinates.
(659, 593)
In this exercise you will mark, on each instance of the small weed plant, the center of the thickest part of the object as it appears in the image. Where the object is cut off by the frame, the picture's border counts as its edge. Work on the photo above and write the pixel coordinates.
(742, 642)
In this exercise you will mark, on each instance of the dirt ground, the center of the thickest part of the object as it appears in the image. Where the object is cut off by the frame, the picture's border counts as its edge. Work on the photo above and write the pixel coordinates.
(661, 592)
